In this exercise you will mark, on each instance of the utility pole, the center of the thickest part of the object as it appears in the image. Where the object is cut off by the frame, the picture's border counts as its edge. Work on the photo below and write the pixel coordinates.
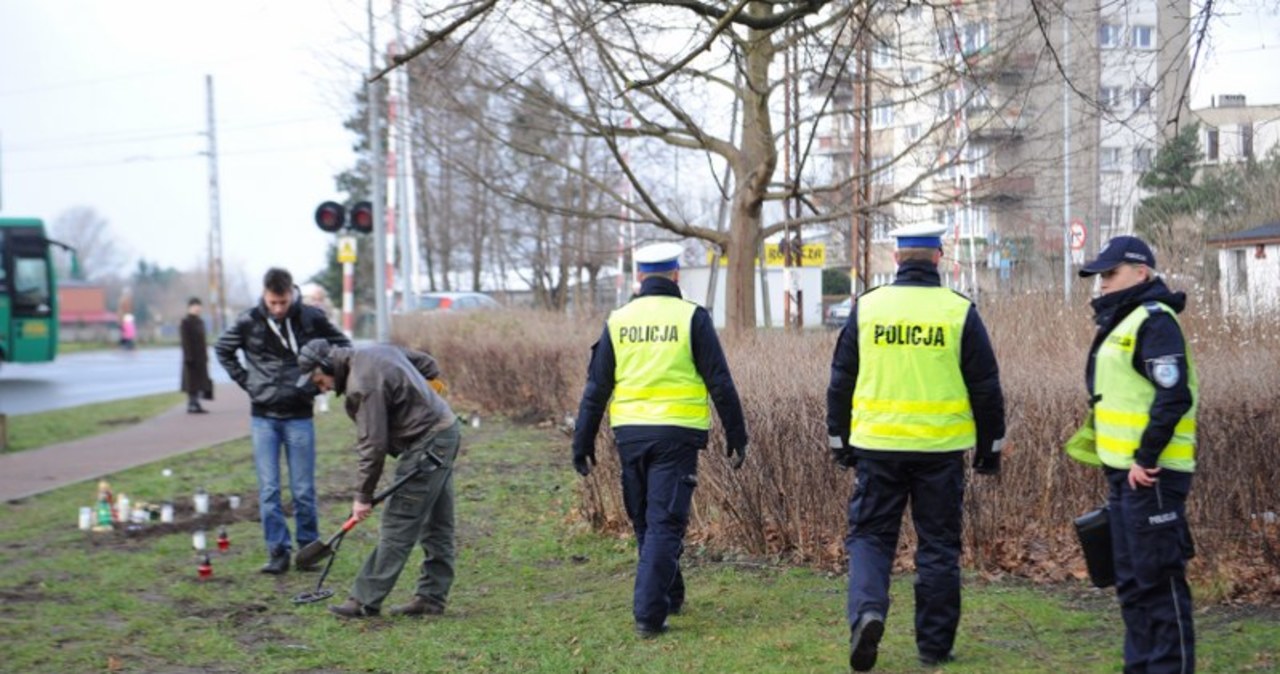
(376, 175)
(1066, 158)
(404, 182)
(217, 299)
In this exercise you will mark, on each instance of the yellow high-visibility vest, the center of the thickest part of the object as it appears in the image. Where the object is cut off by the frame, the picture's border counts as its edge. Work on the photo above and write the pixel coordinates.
(655, 380)
(910, 394)
(1123, 411)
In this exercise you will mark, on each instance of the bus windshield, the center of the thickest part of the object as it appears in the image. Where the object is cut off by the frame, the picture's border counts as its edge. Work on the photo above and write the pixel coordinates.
(4, 271)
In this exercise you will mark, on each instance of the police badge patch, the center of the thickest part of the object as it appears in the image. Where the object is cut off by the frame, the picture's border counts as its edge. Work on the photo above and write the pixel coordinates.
(1164, 371)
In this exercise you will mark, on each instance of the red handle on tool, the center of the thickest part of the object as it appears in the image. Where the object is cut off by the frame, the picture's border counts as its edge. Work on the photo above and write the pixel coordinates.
(350, 524)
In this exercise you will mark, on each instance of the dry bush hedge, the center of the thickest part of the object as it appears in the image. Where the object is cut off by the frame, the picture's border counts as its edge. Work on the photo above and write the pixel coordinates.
(789, 501)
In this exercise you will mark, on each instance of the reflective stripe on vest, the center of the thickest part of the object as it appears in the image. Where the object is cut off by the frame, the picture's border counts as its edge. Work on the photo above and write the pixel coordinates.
(910, 394)
(656, 381)
(1123, 411)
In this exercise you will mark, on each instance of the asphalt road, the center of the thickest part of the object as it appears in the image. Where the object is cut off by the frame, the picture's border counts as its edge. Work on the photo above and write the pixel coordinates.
(91, 377)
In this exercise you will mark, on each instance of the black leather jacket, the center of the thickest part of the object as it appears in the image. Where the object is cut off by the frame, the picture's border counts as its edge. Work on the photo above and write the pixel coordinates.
(270, 372)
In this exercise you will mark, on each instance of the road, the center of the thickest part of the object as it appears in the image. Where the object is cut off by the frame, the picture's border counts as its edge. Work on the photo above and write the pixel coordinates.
(91, 377)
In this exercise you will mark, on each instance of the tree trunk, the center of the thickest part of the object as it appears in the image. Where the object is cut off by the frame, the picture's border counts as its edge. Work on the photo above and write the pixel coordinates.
(752, 172)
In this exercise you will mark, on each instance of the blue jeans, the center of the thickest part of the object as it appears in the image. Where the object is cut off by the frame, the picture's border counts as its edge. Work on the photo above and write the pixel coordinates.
(298, 438)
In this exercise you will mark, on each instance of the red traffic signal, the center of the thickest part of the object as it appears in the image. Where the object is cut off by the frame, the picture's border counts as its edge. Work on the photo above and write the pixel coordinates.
(330, 216)
(362, 217)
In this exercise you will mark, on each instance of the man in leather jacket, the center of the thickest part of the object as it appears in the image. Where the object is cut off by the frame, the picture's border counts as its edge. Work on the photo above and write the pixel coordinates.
(270, 335)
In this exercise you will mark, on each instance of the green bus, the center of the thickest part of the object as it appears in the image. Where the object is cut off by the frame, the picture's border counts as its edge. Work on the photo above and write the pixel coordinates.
(28, 293)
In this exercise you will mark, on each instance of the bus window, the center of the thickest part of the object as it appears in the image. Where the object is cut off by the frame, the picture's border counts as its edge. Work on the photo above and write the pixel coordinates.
(4, 274)
(31, 285)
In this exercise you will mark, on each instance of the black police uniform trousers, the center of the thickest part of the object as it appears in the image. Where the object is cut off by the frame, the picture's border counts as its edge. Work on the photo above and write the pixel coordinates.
(1151, 543)
(658, 479)
(935, 488)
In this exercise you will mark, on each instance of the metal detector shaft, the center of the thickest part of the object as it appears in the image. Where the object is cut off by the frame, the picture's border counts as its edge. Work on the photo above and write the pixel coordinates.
(317, 550)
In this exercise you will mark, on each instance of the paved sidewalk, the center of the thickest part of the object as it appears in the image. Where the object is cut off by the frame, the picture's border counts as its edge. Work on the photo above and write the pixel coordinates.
(174, 432)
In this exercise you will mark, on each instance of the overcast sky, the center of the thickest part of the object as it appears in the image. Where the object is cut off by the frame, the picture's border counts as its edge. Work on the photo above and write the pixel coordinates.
(102, 104)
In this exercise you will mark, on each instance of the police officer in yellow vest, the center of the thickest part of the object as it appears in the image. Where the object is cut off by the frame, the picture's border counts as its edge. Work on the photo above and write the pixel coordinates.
(1144, 391)
(658, 360)
(914, 383)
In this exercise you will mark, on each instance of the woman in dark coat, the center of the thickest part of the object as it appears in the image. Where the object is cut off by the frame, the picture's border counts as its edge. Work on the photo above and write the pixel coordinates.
(195, 358)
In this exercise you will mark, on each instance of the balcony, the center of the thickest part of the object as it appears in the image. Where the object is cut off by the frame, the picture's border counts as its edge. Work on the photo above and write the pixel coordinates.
(1004, 188)
(1009, 123)
(1006, 67)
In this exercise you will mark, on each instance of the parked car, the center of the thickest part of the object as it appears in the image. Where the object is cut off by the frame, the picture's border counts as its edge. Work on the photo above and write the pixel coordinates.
(838, 313)
(456, 301)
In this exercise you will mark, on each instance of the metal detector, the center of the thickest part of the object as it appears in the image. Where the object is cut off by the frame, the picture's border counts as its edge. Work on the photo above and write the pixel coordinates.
(317, 550)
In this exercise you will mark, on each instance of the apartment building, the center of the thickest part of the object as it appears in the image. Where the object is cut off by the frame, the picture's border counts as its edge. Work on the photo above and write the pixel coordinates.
(973, 125)
(1232, 132)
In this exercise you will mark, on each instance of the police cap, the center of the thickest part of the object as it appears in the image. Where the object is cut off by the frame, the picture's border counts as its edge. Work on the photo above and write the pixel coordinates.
(921, 235)
(658, 257)
(1120, 250)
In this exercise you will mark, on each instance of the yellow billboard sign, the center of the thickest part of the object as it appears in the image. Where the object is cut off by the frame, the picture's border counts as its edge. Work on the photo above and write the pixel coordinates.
(811, 255)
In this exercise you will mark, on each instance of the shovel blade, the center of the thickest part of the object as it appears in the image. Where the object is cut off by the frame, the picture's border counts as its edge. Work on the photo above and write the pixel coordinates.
(314, 553)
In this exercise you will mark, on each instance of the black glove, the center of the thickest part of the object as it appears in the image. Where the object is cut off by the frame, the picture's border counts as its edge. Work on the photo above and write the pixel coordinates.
(988, 462)
(583, 461)
(736, 455)
(845, 458)
(841, 453)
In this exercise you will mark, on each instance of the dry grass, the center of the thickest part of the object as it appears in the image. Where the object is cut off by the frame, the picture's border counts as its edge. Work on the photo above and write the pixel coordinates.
(789, 501)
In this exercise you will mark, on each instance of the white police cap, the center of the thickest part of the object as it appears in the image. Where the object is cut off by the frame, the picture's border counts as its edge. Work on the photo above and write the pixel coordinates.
(659, 257)
(920, 235)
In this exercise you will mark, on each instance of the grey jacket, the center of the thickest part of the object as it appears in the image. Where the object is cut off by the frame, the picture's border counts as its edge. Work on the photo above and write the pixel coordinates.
(391, 403)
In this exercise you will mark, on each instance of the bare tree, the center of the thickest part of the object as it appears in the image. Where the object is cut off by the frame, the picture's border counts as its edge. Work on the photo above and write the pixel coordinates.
(97, 250)
(637, 75)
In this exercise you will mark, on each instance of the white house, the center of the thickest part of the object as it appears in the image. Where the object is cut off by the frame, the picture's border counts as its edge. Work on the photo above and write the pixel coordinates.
(1250, 264)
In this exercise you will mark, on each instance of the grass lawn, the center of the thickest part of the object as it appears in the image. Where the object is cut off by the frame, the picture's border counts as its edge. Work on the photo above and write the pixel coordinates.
(28, 431)
(536, 592)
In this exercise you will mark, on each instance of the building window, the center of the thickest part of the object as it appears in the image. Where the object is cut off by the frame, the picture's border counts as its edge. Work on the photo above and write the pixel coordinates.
(976, 36)
(1142, 157)
(1109, 220)
(1109, 97)
(1109, 35)
(976, 160)
(882, 114)
(913, 131)
(947, 218)
(881, 225)
(1211, 144)
(946, 41)
(978, 101)
(1143, 37)
(1142, 97)
(913, 12)
(948, 101)
(975, 221)
(882, 55)
(1109, 159)
(1246, 141)
(882, 170)
(913, 75)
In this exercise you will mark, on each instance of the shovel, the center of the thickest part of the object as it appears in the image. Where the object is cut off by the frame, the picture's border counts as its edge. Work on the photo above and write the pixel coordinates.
(317, 550)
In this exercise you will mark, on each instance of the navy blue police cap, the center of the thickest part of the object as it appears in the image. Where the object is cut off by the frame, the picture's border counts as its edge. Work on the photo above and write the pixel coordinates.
(1120, 250)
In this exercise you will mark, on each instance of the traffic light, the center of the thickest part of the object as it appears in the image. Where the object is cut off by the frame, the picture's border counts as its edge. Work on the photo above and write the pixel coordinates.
(362, 217)
(330, 216)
